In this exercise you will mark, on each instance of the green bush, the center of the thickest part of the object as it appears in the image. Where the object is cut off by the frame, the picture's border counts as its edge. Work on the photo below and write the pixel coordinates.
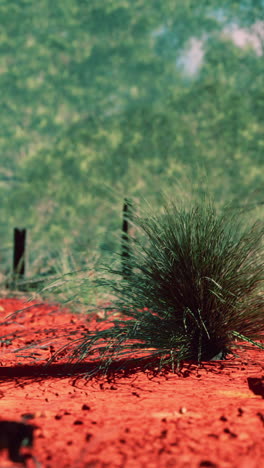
(192, 288)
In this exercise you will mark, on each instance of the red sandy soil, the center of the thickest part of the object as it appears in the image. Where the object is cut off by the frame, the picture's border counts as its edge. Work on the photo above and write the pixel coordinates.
(208, 416)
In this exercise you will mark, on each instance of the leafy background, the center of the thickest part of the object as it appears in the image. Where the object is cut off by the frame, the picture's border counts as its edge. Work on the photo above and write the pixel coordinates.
(106, 99)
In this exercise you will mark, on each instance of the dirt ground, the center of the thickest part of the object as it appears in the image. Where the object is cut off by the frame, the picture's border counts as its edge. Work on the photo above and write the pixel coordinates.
(208, 416)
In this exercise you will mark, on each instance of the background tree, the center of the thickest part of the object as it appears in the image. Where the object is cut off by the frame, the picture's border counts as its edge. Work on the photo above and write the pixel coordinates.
(106, 99)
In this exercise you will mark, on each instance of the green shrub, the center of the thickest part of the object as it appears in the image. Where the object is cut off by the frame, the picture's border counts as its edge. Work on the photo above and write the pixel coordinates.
(193, 287)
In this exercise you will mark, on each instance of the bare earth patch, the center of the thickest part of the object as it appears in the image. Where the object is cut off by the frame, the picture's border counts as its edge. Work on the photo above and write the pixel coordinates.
(208, 416)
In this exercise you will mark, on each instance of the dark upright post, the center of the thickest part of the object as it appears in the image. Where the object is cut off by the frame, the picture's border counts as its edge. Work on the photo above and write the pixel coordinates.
(19, 253)
(126, 267)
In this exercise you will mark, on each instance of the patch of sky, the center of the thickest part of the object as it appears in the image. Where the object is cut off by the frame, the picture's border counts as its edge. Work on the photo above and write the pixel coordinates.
(191, 59)
(247, 37)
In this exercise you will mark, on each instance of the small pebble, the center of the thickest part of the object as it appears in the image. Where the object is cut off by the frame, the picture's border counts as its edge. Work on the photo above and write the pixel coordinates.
(183, 410)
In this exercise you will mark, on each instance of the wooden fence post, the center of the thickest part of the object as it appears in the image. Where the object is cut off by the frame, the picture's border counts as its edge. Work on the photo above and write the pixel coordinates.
(19, 253)
(125, 254)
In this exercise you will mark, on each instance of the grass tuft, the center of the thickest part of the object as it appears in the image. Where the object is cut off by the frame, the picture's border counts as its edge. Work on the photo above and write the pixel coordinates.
(194, 289)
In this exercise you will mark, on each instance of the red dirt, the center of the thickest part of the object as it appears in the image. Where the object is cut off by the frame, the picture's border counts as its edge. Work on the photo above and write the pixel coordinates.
(202, 417)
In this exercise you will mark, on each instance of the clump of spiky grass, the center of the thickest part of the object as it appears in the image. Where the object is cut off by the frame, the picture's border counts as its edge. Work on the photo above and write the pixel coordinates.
(193, 287)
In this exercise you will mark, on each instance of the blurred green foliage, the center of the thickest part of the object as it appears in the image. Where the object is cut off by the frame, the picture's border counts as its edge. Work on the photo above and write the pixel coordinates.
(98, 103)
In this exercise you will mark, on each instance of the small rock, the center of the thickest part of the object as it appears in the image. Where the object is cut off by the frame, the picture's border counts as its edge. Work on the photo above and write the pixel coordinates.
(85, 407)
(183, 410)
